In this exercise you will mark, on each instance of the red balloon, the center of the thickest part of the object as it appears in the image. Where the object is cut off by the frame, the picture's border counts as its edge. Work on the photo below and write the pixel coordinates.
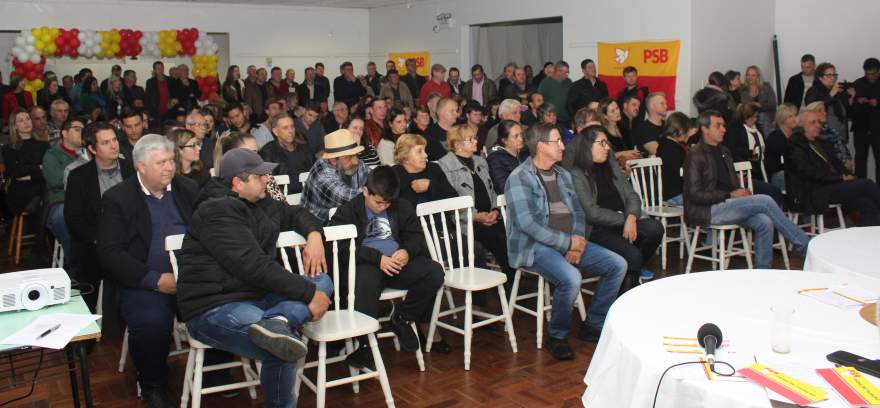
(31, 75)
(74, 53)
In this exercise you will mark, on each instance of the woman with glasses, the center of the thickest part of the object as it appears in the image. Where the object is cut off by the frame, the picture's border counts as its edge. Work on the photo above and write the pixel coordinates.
(468, 173)
(836, 97)
(187, 156)
(612, 207)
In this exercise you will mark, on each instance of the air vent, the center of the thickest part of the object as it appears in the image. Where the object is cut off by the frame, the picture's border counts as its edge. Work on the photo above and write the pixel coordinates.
(8, 300)
(58, 293)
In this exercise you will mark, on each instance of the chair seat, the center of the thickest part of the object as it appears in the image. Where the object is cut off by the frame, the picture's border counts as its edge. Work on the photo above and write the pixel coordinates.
(663, 211)
(338, 325)
(391, 293)
(726, 227)
(193, 343)
(476, 279)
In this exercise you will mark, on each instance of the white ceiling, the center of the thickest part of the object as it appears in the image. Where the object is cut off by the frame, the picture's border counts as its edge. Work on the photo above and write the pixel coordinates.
(363, 4)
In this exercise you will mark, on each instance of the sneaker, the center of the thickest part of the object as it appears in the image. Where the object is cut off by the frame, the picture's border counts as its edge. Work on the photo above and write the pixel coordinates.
(402, 328)
(362, 359)
(275, 336)
(157, 397)
(589, 333)
(645, 274)
(560, 349)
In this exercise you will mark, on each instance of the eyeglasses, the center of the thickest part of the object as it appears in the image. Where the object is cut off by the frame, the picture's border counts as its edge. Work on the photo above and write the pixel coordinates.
(830, 75)
(603, 143)
(557, 141)
(197, 145)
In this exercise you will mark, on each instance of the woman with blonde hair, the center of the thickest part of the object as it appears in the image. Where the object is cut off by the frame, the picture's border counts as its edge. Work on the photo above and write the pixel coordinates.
(756, 90)
(23, 158)
(186, 155)
(777, 144)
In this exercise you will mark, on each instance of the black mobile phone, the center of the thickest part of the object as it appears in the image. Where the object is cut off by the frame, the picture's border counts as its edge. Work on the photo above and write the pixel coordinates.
(860, 363)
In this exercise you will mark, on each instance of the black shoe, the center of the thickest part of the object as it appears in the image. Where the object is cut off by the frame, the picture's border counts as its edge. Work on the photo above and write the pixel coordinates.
(589, 333)
(157, 397)
(402, 328)
(362, 358)
(560, 349)
(441, 346)
(275, 336)
(218, 378)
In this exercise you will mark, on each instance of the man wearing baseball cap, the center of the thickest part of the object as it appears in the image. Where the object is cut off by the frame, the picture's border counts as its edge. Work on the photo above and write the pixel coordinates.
(436, 84)
(338, 177)
(231, 291)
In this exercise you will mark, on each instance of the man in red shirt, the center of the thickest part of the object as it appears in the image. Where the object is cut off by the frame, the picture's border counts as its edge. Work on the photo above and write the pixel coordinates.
(435, 84)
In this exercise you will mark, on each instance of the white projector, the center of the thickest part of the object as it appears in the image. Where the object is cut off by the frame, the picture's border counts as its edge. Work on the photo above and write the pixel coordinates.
(33, 289)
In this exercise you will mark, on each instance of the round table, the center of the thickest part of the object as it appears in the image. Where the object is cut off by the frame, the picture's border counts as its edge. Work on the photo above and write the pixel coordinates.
(850, 251)
(631, 356)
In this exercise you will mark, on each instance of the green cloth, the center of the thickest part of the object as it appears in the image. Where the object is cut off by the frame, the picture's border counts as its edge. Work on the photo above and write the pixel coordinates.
(54, 162)
(556, 93)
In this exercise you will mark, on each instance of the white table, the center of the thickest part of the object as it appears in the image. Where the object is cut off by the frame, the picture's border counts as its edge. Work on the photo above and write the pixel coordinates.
(854, 251)
(630, 356)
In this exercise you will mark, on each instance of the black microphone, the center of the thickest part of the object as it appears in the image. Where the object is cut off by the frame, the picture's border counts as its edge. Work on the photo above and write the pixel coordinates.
(710, 338)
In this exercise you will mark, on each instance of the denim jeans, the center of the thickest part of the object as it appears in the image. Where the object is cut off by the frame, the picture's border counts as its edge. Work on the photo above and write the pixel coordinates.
(677, 201)
(760, 214)
(610, 267)
(55, 223)
(225, 327)
(778, 180)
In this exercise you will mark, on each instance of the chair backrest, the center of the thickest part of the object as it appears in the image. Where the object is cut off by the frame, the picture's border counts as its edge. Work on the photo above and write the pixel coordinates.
(647, 180)
(303, 177)
(213, 171)
(331, 213)
(744, 174)
(173, 243)
(334, 234)
(501, 203)
(283, 181)
(294, 199)
(438, 239)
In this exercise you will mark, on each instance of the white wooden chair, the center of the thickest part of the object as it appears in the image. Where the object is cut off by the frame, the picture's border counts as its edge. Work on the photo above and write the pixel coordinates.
(213, 172)
(195, 362)
(647, 180)
(303, 177)
(340, 324)
(57, 255)
(461, 275)
(721, 252)
(817, 221)
(294, 199)
(542, 297)
(744, 175)
(283, 181)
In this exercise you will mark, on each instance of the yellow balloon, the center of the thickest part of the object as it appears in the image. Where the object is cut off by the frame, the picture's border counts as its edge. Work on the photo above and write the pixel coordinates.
(55, 31)
(51, 48)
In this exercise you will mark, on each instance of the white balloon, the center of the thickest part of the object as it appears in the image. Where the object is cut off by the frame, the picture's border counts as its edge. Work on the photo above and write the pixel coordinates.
(22, 57)
(20, 40)
(81, 36)
(16, 50)
(35, 58)
(30, 39)
(81, 49)
(29, 49)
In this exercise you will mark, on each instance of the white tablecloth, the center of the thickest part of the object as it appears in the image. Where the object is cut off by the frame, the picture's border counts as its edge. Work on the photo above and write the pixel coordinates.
(630, 356)
(848, 251)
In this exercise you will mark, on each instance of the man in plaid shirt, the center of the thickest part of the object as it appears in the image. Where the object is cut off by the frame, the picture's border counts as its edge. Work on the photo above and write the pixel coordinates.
(546, 235)
(337, 177)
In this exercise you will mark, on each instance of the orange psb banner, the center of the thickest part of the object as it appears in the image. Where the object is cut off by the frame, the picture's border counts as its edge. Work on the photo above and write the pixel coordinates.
(656, 62)
(423, 61)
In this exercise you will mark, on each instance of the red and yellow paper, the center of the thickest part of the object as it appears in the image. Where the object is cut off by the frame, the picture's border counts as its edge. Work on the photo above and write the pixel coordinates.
(852, 385)
(656, 62)
(423, 61)
(797, 391)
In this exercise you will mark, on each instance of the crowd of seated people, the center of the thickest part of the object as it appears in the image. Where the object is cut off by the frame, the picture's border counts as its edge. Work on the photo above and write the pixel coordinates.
(110, 168)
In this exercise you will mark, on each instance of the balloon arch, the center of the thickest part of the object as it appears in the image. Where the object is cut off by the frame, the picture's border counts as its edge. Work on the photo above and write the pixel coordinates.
(34, 45)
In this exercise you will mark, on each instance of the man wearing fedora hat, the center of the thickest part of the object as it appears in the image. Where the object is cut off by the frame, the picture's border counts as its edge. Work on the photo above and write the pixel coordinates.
(337, 177)
(231, 291)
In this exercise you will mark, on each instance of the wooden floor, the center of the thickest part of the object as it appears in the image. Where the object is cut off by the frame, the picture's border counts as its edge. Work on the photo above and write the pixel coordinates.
(498, 377)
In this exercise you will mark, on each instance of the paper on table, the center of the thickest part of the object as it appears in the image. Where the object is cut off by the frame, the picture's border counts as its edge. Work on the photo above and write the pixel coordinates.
(682, 349)
(70, 325)
(805, 374)
(842, 296)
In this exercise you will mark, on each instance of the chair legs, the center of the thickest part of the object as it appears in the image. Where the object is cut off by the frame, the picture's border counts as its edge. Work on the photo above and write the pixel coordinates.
(663, 245)
(124, 351)
(380, 367)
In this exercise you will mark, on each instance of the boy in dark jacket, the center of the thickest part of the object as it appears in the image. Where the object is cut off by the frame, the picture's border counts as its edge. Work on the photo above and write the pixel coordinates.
(232, 292)
(391, 252)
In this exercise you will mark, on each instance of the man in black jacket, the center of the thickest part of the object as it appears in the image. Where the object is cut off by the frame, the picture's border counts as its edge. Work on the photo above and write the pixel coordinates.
(412, 79)
(289, 149)
(82, 208)
(798, 84)
(346, 87)
(138, 214)
(234, 295)
(160, 95)
(185, 89)
(866, 119)
(814, 178)
(391, 252)
(587, 89)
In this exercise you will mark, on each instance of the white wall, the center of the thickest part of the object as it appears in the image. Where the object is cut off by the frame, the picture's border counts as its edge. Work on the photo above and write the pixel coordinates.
(403, 28)
(293, 36)
(731, 35)
(844, 35)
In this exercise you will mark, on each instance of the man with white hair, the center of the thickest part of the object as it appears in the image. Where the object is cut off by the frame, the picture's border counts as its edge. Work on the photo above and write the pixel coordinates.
(138, 214)
(58, 112)
(510, 109)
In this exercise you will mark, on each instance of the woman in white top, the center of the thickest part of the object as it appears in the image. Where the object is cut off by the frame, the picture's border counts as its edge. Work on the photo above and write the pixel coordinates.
(394, 127)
